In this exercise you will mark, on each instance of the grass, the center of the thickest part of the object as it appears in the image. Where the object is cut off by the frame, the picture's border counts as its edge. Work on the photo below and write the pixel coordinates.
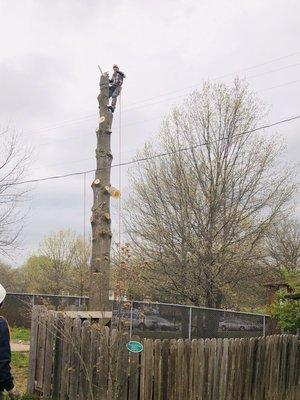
(19, 365)
(19, 362)
(18, 333)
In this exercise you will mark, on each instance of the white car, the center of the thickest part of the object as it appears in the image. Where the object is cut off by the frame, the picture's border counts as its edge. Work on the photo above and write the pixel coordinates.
(239, 325)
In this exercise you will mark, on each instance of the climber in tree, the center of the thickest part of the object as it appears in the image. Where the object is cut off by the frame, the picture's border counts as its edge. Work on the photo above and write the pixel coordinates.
(115, 86)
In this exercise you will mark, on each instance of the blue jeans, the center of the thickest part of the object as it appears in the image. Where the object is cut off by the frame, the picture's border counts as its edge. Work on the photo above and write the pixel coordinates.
(114, 92)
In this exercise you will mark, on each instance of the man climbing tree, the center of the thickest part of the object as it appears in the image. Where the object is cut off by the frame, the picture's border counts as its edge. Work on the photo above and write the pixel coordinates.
(115, 86)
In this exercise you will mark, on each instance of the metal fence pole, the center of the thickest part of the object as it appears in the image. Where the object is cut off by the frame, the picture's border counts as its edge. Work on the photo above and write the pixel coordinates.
(264, 326)
(190, 324)
(131, 312)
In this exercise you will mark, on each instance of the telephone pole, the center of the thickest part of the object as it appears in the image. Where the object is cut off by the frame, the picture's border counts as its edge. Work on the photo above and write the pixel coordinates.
(100, 219)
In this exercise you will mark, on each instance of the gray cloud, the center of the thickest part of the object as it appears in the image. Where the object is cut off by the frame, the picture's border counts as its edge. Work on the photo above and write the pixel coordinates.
(49, 79)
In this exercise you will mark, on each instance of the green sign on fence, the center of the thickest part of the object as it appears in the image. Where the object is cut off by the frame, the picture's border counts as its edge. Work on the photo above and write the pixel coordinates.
(134, 346)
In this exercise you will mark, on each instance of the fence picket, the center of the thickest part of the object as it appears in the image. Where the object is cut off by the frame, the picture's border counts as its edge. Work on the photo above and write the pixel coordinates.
(83, 362)
(157, 370)
(103, 364)
(249, 367)
(179, 369)
(134, 359)
(41, 344)
(242, 363)
(94, 367)
(57, 363)
(283, 365)
(33, 351)
(186, 369)
(258, 387)
(164, 369)
(75, 360)
(50, 335)
(122, 368)
(223, 370)
(212, 348)
(194, 367)
(217, 367)
(113, 359)
(147, 357)
(84, 375)
(65, 349)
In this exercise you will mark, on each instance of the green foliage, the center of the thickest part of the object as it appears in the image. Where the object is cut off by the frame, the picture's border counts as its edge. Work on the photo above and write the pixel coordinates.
(286, 312)
(20, 360)
(59, 266)
(293, 279)
(18, 333)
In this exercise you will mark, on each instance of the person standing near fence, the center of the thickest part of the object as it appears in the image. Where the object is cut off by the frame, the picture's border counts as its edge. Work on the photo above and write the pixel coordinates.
(6, 378)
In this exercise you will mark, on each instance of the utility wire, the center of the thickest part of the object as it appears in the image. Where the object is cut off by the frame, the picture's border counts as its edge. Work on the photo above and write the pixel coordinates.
(134, 161)
(65, 139)
(87, 117)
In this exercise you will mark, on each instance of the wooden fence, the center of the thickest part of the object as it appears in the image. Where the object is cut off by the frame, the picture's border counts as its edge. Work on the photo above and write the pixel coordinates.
(71, 359)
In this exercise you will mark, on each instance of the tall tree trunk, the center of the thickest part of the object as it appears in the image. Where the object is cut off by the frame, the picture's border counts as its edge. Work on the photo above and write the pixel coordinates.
(100, 220)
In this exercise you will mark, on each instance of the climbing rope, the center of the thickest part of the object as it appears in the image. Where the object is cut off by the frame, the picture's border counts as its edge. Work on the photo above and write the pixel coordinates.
(84, 220)
(120, 181)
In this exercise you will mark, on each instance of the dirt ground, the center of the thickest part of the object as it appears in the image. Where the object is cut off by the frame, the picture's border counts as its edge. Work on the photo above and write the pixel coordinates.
(19, 346)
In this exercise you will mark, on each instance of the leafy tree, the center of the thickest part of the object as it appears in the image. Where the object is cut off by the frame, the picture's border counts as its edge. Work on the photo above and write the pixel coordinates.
(199, 217)
(283, 246)
(34, 274)
(286, 312)
(9, 277)
(60, 265)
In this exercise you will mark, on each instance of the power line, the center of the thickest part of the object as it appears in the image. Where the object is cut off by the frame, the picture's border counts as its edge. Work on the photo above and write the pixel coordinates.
(153, 118)
(214, 79)
(280, 85)
(87, 117)
(134, 161)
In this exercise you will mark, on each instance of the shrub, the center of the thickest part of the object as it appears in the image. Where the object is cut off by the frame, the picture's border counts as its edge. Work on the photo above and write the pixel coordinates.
(286, 312)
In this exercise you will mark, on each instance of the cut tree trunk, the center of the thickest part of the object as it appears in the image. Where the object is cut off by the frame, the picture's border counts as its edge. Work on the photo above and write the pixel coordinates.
(100, 220)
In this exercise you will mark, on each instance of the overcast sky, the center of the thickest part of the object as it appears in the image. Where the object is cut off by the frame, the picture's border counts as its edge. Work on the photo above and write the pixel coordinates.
(49, 80)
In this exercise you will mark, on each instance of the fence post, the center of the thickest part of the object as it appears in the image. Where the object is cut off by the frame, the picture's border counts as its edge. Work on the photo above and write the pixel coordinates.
(190, 324)
(264, 326)
(131, 312)
(33, 350)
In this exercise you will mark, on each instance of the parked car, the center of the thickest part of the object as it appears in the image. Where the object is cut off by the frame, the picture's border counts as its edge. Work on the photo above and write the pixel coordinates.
(239, 325)
(142, 322)
(155, 322)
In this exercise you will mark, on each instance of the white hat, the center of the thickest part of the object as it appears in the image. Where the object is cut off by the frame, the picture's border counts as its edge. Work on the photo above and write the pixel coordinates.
(2, 293)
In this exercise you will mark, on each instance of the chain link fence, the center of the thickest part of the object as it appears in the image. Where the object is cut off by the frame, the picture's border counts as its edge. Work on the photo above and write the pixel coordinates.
(17, 306)
(148, 319)
(160, 320)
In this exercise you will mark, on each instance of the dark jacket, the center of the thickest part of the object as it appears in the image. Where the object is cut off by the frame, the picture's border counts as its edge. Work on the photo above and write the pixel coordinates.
(117, 79)
(6, 379)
